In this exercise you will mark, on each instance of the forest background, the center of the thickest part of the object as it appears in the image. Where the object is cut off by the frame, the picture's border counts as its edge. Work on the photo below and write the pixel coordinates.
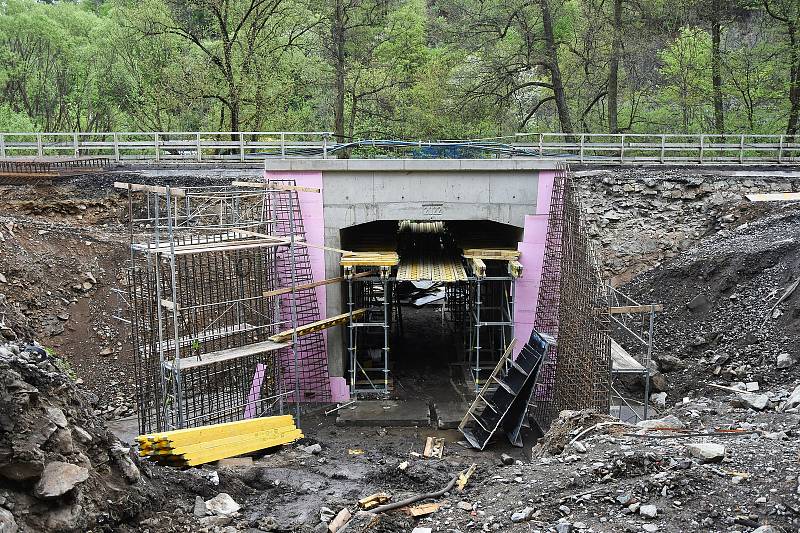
(401, 69)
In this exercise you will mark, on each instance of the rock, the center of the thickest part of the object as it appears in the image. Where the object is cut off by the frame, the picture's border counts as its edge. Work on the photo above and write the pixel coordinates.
(784, 361)
(794, 399)
(668, 363)
(66, 518)
(22, 470)
(523, 515)
(658, 382)
(464, 506)
(61, 442)
(650, 528)
(699, 303)
(757, 402)
(506, 459)
(669, 421)
(59, 478)
(312, 449)
(56, 416)
(326, 514)
(123, 459)
(648, 511)
(81, 435)
(766, 529)
(422, 530)
(200, 509)
(707, 452)
(7, 522)
(659, 399)
(222, 505)
(563, 527)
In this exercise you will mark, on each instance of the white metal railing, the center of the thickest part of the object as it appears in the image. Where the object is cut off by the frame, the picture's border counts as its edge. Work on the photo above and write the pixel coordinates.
(595, 148)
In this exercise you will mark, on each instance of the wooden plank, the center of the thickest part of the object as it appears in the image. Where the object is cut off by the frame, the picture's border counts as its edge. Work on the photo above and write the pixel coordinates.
(297, 242)
(314, 327)
(138, 187)
(424, 509)
(187, 363)
(215, 454)
(277, 292)
(634, 309)
(274, 186)
(205, 445)
(491, 253)
(774, 197)
(369, 259)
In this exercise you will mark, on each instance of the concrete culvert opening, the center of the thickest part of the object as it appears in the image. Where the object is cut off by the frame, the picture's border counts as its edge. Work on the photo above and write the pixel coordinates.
(446, 325)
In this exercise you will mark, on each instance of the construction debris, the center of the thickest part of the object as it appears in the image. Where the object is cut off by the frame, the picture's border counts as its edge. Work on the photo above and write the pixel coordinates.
(424, 509)
(373, 500)
(434, 447)
(197, 446)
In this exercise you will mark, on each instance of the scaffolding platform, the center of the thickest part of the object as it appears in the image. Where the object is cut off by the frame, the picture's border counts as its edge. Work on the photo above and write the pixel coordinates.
(187, 363)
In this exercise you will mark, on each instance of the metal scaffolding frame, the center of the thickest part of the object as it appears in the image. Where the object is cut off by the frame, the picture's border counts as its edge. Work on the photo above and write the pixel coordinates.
(634, 323)
(374, 294)
(202, 276)
(491, 322)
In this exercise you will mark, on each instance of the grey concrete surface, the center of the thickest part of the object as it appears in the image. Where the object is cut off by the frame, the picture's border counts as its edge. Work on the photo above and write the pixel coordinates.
(386, 413)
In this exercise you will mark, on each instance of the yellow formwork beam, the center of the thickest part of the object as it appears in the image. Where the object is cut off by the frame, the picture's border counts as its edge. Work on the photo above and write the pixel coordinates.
(241, 446)
(218, 431)
(167, 448)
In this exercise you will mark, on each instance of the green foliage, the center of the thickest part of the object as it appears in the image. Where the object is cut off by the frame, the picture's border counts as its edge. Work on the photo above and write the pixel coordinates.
(394, 68)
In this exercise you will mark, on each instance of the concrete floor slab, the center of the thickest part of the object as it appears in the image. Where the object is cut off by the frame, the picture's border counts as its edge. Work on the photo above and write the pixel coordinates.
(449, 414)
(387, 413)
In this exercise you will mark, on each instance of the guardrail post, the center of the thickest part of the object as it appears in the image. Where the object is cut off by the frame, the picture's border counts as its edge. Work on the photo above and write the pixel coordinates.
(663, 147)
(741, 150)
(116, 147)
(199, 148)
(780, 149)
(622, 149)
(283, 145)
(155, 142)
(2, 145)
(701, 148)
(241, 147)
(582, 137)
(324, 146)
(39, 144)
(75, 143)
(541, 153)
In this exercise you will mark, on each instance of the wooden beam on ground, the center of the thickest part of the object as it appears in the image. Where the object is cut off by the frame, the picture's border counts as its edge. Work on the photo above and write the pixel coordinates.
(634, 309)
(314, 327)
(138, 187)
(286, 290)
(274, 186)
(774, 197)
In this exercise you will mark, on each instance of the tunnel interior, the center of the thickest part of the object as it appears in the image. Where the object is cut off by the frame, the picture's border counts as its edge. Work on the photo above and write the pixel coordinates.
(430, 323)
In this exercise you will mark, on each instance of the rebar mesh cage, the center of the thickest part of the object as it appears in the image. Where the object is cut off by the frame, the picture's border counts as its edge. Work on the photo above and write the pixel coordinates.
(573, 309)
(204, 268)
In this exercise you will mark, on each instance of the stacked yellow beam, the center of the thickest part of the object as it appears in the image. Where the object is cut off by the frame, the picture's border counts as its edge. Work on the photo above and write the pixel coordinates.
(197, 446)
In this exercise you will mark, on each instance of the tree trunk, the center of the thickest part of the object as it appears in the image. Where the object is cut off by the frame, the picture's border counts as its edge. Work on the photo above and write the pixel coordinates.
(794, 83)
(613, 74)
(716, 66)
(338, 40)
(555, 72)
